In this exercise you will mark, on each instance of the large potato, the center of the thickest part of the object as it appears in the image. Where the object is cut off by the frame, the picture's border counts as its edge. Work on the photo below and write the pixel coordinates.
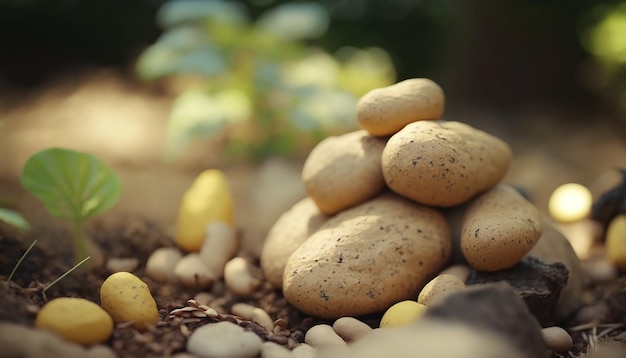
(294, 227)
(384, 111)
(443, 163)
(343, 171)
(499, 227)
(367, 258)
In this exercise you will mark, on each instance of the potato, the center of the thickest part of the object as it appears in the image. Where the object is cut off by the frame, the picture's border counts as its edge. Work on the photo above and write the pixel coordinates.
(290, 230)
(439, 287)
(443, 163)
(384, 111)
(126, 298)
(343, 171)
(366, 258)
(402, 313)
(498, 229)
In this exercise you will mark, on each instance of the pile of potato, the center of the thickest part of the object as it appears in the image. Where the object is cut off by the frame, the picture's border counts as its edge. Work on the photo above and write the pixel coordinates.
(374, 228)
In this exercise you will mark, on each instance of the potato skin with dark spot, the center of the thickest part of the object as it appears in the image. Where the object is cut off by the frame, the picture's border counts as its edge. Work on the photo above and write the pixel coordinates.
(442, 163)
(368, 257)
(499, 227)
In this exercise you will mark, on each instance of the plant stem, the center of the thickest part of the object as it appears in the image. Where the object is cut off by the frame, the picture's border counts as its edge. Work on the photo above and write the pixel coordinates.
(80, 243)
(20, 260)
(65, 274)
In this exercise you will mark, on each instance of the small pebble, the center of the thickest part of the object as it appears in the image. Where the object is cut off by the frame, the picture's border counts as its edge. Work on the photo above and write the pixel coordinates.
(162, 262)
(263, 318)
(402, 313)
(224, 339)
(600, 269)
(192, 272)
(203, 298)
(240, 277)
(350, 328)
(242, 310)
(303, 351)
(219, 246)
(76, 319)
(557, 339)
(116, 264)
(274, 350)
(323, 335)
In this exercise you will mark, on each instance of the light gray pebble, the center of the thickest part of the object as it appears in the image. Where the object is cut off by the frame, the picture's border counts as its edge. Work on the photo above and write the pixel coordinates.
(303, 351)
(557, 339)
(323, 335)
(350, 328)
(224, 339)
(274, 350)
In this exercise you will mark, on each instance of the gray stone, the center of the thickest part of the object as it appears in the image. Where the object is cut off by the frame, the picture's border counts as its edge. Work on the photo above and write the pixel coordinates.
(224, 339)
(537, 282)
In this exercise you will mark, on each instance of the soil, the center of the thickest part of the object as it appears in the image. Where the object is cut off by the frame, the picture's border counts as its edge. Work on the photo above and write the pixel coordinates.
(560, 151)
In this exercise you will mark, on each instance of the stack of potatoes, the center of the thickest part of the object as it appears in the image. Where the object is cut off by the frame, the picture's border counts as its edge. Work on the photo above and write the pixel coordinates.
(373, 230)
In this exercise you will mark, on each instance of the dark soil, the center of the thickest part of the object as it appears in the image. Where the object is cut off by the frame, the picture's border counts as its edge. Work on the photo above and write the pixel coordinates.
(24, 294)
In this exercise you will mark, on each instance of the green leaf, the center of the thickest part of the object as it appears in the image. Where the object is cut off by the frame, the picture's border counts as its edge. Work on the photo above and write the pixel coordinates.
(296, 21)
(14, 218)
(72, 185)
(179, 12)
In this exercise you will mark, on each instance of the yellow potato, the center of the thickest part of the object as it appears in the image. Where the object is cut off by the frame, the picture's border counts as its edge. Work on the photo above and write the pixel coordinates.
(402, 313)
(76, 319)
(384, 111)
(207, 200)
(126, 298)
(616, 241)
(499, 227)
(443, 163)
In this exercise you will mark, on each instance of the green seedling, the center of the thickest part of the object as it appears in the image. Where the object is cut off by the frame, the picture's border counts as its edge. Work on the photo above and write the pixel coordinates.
(72, 185)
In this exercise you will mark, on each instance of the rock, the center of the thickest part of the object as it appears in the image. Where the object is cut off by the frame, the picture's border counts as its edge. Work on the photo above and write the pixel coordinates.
(219, 246)
(241, 278)
(441, 163)
(402, 313)
(276, 187)
(224, 340)
(162, 263)
(557, 339)
(323, 335)
(126, 298)
(366, 258)
(290, 230)
(76, 319)
(384, 111)
(261, 317)
(23, 342)
(461, 271)
(350, 328)
(303, 351)
(553, 247)
(192, 272)
(537, 282)
(344, 171)
(274, 350)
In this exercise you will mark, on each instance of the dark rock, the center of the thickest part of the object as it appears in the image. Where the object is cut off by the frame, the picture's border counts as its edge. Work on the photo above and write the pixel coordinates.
(496, 308)
(538, 283)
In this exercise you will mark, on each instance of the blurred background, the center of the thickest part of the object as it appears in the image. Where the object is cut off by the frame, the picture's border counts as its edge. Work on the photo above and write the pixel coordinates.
(164, 89)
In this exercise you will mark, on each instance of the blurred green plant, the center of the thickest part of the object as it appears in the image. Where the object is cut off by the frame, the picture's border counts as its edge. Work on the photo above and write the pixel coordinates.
(14, 219)
(264, 87)
(73, 186)
(605, 39)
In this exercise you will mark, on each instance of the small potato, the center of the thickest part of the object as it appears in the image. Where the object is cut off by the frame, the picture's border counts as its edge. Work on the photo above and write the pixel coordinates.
(443, 163)
(402, 313)
(344, 171)
(438, 288)
(499, 228)
(384, 111)
(126, 298)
